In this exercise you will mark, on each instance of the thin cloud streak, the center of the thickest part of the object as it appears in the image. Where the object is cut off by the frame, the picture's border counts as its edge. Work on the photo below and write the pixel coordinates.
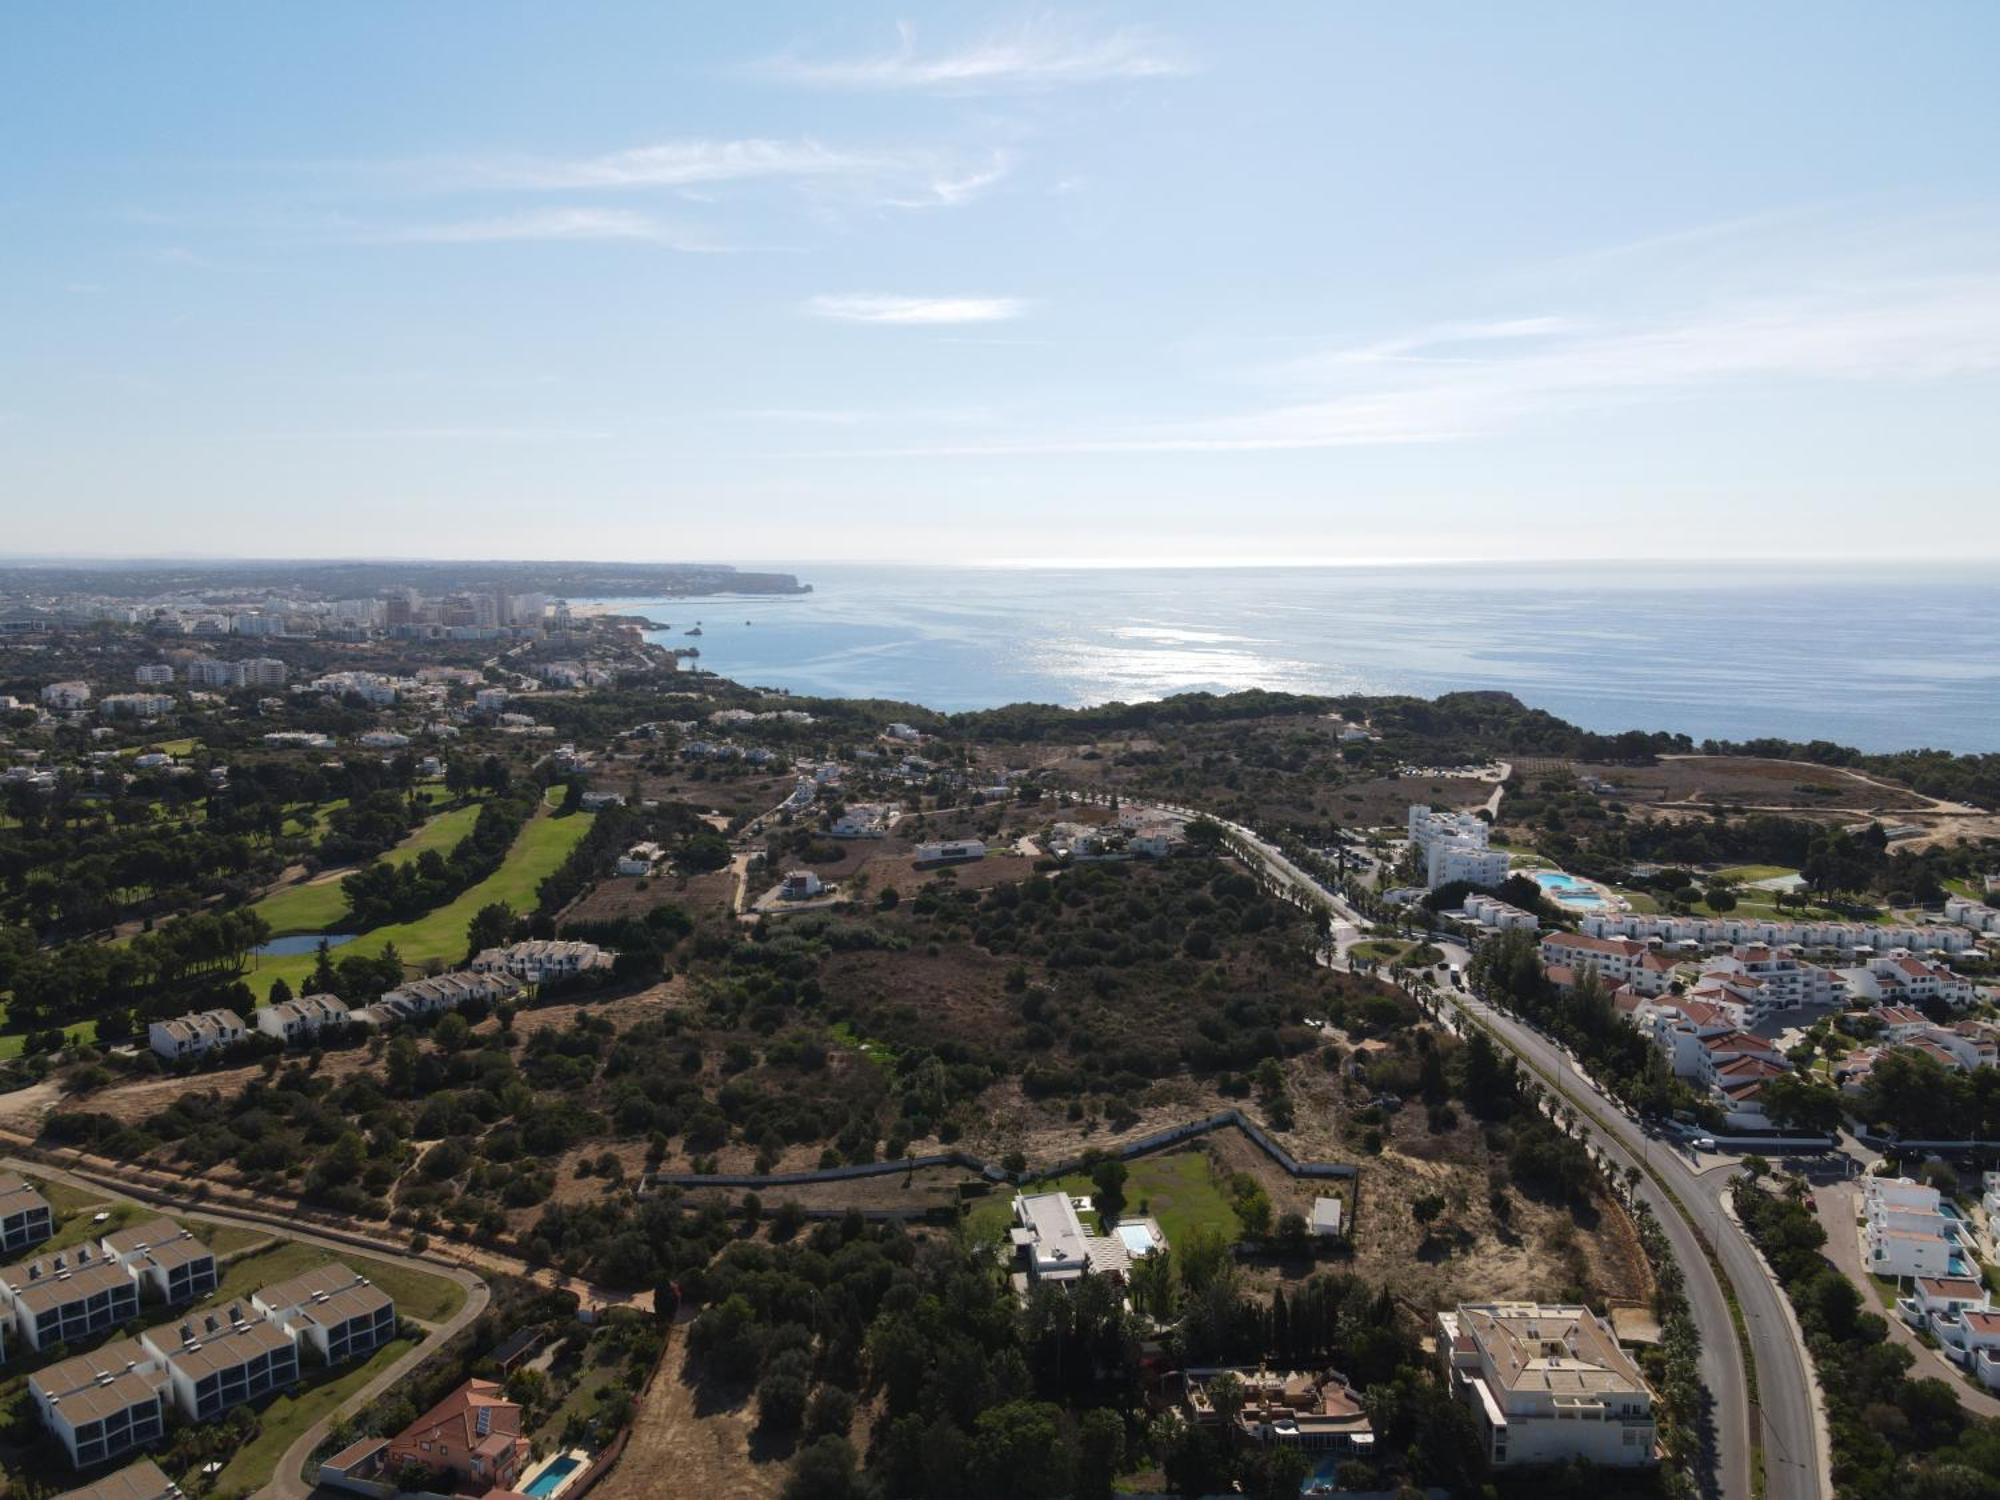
(1039, 55)
(926, 311)
(558, 224)
(1903, 331)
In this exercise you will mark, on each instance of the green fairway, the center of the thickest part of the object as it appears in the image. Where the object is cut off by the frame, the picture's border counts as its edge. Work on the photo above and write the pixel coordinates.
(543, 844)
(1756, 872)
(319, 905)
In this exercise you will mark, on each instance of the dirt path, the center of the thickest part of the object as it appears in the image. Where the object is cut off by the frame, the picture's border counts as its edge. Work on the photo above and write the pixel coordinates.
(705, 1454)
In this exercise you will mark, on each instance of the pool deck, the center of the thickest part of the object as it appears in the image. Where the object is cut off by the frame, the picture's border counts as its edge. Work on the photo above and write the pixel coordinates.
(577, 1455)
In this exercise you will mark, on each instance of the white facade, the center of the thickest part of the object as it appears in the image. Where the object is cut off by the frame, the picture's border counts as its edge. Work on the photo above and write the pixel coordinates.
(1547, 1384)
(953, 851)
(1501, 916)
(1454, 847)
(194, 1034)
(153, 674)
(135, 705)
(66, 695)
(863, 820)
(1841, 936)
(300, 1020)
(538, 960)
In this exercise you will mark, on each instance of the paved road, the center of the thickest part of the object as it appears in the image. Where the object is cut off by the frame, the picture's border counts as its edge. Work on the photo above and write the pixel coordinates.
(1795, 1461)
(285, 1483)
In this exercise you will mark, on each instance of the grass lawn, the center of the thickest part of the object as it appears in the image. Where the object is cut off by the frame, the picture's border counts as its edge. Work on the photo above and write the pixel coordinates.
(226, 1239)
(15, 1043)
(322, 906)
(418, 1294)
(66, 1200)
(1177, 1189)
(542, 845)
(1379, 950)
(83, 1226)
(1639, 901)
(1756, 872)
(286, 1418)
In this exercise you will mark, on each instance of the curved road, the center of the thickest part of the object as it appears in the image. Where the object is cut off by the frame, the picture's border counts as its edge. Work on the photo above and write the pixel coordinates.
(1795, 1458)
(285, 1482)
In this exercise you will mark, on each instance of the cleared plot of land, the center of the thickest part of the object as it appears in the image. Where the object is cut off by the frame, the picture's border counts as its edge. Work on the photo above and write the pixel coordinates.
(543, 844)
(1751, 782)
(706, 1453)
(319, 904)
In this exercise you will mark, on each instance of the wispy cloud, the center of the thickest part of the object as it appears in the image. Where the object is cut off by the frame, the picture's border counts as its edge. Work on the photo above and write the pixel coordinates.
(916, 177)
(1461, 381)
(1040, 54)
(859, 308)
(558, 224)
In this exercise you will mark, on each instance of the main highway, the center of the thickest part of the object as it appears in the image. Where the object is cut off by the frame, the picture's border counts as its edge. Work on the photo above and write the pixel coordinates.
(1782, 1423)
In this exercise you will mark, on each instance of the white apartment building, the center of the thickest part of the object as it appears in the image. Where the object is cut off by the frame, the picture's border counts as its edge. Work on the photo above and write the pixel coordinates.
(135, 705)
(338, 1313)
(68, 1296)
(1500, 916)
(66, 695)
(442, 992)
(221, 1359)
(104, 1403)
(295, 1022)
(490, 700)
(153, 674)
(542, 959)
(25, 1216)
(1617, 961)
(1977, 915)
(195, 1034)
(1907, 1233)
(1454, 847)
(1546, 1384)
(1901, 978)
(167, 1261)
(206, 671)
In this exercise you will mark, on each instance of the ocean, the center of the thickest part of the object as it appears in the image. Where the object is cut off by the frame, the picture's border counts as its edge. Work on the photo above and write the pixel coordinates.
(1885, 658)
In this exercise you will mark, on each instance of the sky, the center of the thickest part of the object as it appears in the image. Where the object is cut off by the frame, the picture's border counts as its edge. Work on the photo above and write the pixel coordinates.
(1177, 283)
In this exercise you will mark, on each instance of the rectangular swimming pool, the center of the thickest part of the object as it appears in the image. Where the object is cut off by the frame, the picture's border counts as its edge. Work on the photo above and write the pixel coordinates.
(550, 1479)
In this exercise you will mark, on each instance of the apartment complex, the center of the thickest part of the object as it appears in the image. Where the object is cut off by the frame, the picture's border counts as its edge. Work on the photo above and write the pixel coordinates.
(216, 1360)
(67, 1297)
(25, 1216)
(295, 1022)
(104, 1403)
(168, 1262)
(542, 959)
(339, 1313)
(1546, 1384)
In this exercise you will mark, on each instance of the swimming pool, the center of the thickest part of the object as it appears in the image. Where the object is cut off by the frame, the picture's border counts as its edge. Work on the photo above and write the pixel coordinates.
(551, 1478)
(1567, 890)
(1137, 1237)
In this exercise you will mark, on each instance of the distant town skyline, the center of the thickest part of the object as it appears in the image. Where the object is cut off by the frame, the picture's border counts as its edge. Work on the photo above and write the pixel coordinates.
(1116, 285)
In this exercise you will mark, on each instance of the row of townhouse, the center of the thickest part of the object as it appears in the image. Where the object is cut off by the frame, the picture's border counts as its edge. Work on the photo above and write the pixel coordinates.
(1454, 847)
(541, 959)
(298, 1022)
(114, 1399)
(1977, 915)
(139, 1481)
(195, 1034)
(1958, 1312)
(77, 1293)
(435, 995)
(1845, 936)
(1913, 1230)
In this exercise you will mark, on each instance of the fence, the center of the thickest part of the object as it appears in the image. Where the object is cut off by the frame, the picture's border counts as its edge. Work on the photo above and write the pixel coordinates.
(1145, 1145)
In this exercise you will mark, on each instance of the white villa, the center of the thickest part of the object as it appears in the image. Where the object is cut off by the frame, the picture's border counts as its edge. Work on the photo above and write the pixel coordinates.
(1546, 1384)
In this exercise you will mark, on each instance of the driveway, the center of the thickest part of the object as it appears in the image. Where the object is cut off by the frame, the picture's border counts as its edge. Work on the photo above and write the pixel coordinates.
(1836, 1203)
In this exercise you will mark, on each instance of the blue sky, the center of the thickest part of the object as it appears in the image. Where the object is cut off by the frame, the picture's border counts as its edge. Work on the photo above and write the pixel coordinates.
(1174, 282)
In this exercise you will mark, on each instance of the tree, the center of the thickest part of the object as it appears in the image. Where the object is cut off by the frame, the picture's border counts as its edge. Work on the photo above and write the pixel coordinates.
(1020, 1452)
(491, 926)
(1108, 1177)
(1795, 1103)
(281, 993)
(825, 1471)
(1100, 1453)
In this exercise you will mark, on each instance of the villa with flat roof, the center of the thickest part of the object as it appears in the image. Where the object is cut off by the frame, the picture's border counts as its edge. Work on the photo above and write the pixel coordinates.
(66, 1297)
(25, 1216)
(338, 1312)
(167, 1261)
(140, 1481)
(1547, 1383)
(224, 1358)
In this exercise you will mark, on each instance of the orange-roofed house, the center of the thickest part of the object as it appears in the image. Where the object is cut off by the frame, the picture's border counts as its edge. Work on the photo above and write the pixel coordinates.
(473, 1437)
